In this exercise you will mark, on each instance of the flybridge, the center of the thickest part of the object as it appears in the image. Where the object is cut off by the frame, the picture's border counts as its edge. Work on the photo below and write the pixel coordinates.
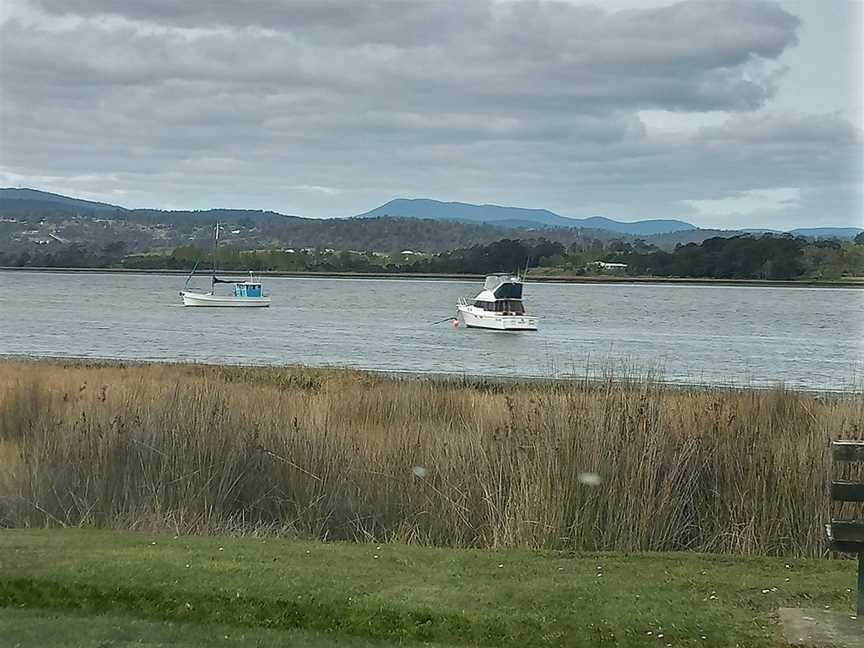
(503, 286)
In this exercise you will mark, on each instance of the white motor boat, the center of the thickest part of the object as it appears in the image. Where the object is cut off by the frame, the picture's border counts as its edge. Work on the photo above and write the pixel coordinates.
(498, 307)
(248, 294)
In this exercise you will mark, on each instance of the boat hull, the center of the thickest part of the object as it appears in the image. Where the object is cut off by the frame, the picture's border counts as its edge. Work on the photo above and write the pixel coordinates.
(222, 301)
(496, 321)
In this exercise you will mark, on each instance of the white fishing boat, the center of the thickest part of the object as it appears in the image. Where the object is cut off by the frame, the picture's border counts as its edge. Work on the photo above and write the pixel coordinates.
(246, 294)
(498, 307)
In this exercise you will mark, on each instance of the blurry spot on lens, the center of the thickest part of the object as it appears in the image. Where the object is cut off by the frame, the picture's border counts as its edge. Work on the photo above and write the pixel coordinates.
(589, 479)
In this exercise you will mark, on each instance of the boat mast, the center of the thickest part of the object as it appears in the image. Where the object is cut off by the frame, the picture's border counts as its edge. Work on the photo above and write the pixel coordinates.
(189, 278)
(215, 243)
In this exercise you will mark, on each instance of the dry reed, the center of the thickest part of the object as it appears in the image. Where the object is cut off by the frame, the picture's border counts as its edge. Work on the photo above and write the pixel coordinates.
(338, 454)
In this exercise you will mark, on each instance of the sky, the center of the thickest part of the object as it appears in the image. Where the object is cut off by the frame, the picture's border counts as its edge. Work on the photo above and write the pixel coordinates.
(727, 114)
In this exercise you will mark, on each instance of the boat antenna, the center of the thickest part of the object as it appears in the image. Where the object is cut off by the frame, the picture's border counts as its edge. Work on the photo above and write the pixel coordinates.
(215, 243)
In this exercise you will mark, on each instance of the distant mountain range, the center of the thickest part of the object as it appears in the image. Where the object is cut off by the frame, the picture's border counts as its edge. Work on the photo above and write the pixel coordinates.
(518, 217)
(32, 200)
(816, 232)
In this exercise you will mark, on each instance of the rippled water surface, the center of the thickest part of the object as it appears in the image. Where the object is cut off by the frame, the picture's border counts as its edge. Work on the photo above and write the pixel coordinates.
(745, 335)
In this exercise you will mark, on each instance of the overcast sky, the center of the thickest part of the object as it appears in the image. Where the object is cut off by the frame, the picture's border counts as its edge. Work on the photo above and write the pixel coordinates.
(733, 114)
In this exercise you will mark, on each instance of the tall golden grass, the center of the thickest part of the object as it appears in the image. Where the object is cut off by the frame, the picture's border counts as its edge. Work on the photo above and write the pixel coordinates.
(339, 454)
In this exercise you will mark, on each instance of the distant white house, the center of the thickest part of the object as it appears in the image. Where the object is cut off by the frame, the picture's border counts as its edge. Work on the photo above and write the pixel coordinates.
(603, 266)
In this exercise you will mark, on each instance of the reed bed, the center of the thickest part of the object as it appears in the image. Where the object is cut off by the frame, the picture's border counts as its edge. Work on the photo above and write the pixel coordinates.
(628, 465)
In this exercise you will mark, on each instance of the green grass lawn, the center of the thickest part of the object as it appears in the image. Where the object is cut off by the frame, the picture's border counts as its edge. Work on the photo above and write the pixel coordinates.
(52, 629)
(100, 588)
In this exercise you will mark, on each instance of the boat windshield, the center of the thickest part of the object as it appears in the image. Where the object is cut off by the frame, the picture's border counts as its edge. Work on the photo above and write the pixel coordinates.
(513, 306)
(510, 306)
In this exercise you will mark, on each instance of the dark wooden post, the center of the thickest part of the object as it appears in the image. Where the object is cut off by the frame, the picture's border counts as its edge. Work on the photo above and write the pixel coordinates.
(847, 536)
(860, 607)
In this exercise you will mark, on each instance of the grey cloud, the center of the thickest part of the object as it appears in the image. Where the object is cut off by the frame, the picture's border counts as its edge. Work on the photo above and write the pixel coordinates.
(691, 55)
(530, 103)
(714, 34)
(376, 21)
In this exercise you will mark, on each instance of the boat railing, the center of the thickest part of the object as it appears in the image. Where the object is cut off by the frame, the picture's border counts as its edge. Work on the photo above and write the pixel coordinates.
(463, 302)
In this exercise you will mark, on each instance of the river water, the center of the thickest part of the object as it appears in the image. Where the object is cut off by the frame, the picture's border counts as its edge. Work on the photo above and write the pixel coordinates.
(802, 337)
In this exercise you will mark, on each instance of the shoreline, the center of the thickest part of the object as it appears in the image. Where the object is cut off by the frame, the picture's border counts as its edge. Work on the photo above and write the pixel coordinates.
(564, 279)
(639, 377)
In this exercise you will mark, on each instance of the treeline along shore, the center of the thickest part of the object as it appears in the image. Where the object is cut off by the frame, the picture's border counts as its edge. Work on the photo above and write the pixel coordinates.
(744, 257)
(623, 463)
(532, 278)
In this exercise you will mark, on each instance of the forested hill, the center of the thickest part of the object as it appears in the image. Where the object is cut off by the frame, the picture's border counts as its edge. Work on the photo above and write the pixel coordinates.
(45, 225)
(28, 200)
(38, 221)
